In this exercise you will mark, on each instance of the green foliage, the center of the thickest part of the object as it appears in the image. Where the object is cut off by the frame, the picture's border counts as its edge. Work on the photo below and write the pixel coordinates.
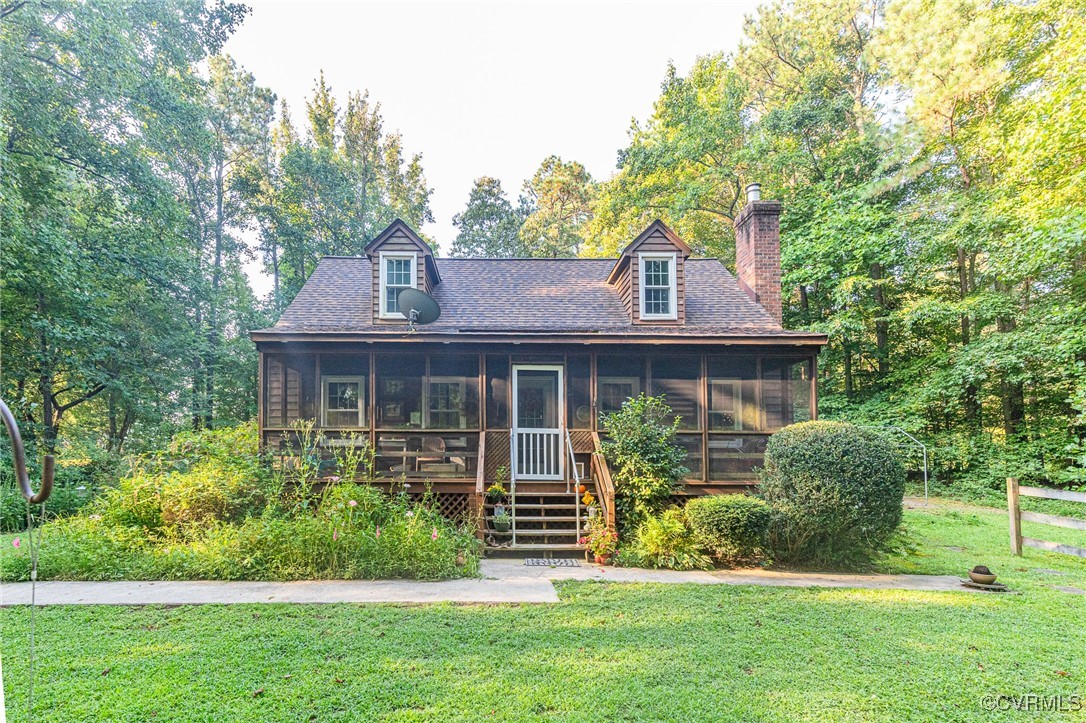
(489, 226)
(558, 204)
(201, 478)
(938, 242)
(601, 541)
(647, 466)
(332, 191)
(207, 508)
(665, 541)
(779, 653)
(836, 492)
(734, 528)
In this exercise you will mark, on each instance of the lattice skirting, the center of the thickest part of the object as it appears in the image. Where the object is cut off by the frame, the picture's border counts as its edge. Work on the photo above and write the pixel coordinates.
(454, 505)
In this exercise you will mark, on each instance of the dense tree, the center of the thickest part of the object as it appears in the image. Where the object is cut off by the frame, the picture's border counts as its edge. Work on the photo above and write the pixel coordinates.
(94, 265)
(331, 191)
(211, 160)
(489, 226)
(941, 248)
(558, 203)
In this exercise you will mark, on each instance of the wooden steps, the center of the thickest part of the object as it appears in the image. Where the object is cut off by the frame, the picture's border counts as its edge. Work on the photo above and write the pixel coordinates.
(545, 515)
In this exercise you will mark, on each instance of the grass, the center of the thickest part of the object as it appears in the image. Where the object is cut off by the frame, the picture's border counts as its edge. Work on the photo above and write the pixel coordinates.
(605, 652)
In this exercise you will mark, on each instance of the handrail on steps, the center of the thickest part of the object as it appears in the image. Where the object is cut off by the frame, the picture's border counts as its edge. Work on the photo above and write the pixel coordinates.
(604, 486)
(480, 486)
(19, 456)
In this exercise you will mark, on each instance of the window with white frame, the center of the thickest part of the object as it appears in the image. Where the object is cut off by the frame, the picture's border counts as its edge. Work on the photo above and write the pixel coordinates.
(397, 274)
(343, 401)
(657, 286)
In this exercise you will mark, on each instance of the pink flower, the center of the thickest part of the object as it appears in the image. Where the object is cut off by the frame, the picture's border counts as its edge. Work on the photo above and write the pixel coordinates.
(353, 503)
(333, 478)
(16, 542)
(335, 535)
(378, 532)
(409, 513)
(434, 536)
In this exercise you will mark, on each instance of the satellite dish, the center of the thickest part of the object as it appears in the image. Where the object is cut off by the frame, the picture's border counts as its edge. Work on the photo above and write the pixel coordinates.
(418, 306)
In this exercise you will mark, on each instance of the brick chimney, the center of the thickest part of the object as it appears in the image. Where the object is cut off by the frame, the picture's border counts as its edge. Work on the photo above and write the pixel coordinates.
(758, 250)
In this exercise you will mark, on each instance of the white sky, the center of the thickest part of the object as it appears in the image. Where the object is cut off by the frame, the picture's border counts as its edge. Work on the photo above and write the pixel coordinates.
(487, 88)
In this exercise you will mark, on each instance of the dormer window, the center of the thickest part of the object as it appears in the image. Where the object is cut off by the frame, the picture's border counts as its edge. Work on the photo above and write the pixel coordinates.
(397, 274)
(658, 287)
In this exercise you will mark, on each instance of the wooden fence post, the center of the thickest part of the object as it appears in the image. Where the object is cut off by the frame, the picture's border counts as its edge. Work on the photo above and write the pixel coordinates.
(1015, 515)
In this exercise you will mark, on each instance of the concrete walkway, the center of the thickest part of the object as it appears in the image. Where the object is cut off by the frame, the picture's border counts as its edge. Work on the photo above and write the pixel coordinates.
(515, 570)
(503, 581)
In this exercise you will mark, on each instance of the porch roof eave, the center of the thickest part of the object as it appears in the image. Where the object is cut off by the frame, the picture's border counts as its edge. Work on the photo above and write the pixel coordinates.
(782, 338)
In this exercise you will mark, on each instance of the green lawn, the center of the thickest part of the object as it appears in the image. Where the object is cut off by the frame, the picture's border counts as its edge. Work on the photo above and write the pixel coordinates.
(606, 652)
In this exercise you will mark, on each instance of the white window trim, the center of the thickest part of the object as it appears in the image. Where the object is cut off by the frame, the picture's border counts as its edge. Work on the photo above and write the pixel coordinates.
(672, 285)
(737, 399)
(382, 257)
(361, 381)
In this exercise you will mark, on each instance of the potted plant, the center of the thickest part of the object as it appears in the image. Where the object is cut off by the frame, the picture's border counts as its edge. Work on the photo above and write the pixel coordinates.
(589, 503)
(495, 493)
(502, 519)
(600, 541)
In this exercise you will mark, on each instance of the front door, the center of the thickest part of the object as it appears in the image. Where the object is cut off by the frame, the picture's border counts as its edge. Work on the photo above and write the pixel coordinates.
(538, 404)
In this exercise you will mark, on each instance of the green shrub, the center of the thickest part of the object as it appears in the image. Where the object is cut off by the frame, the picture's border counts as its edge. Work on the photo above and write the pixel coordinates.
(201, 477)
(732, 527)
(207, 509)
(836, 492)
(647, 466)
(665, 541)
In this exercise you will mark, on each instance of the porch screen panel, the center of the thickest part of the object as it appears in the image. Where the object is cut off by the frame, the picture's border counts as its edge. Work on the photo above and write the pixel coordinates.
(618, 378)
(677, 379)
(452, 393)
(578, 392)
(497, 391)
(289, 389)
(733, 394)
(785, 392)
(399, 391)
(691, 444)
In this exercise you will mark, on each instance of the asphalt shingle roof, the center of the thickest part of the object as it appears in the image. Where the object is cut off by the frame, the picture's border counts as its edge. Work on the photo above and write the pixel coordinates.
(530, 296)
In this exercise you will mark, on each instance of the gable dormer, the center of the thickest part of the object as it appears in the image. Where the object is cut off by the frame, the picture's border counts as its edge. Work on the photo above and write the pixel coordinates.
(400, 259)
(650, 277)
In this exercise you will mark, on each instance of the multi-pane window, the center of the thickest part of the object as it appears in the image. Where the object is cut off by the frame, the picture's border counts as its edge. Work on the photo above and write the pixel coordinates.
(447, 403)
(658, 287)
(613, 391)
(344, 402)
(398, 274)
(725, 404)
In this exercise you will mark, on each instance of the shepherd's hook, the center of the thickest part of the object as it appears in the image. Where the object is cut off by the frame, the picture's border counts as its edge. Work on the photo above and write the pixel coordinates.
(19, 455)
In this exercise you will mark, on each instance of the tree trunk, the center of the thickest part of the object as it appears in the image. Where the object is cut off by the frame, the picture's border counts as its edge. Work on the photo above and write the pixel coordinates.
(848, 370)
(970, 402)
(882, 323)
(1012, 393)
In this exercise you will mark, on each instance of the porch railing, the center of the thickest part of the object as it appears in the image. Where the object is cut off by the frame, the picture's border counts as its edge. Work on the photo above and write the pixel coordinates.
(538, 454)
(604, 486)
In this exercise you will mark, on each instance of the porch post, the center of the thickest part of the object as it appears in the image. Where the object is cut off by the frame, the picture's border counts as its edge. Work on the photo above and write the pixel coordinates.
(260, 400)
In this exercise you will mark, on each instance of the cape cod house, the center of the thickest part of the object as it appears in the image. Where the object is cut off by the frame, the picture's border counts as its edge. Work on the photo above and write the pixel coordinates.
(509, 383)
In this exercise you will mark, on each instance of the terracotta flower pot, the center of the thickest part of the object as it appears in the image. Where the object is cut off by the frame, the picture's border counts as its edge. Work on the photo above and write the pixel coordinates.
(603, 559)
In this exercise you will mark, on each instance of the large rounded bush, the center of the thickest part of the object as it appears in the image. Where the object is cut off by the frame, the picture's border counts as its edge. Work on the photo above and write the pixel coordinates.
(835, 490)
(732, 527)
